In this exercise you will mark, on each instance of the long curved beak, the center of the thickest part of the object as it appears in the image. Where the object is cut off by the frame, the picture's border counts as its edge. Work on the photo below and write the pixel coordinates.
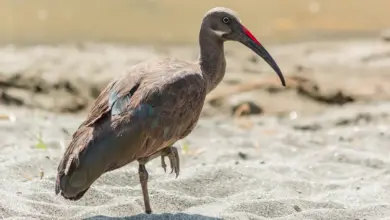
(250, 41)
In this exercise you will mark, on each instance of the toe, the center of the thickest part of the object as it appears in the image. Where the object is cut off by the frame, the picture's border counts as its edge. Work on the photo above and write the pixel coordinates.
(163, 164)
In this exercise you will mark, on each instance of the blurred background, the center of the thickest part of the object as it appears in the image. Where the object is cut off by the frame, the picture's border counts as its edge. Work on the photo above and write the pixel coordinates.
(58, 55)
(174, 21)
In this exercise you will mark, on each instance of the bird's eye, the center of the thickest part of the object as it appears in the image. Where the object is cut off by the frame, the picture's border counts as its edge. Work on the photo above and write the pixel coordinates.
(226, 20)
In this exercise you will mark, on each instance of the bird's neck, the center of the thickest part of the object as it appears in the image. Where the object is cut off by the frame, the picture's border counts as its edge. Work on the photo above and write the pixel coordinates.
(212, 59)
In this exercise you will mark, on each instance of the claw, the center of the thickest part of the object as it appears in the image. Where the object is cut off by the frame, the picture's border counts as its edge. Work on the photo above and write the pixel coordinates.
(173, 156)
(171, 161)
(175, 161)
(163, 164)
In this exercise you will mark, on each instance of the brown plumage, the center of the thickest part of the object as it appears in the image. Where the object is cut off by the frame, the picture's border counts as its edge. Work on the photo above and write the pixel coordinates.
(140, 115)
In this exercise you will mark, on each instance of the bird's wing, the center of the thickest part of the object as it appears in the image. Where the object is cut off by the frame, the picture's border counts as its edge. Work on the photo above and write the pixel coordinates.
(116, 95)
(100, 107)
(113, 98)
(99, 110)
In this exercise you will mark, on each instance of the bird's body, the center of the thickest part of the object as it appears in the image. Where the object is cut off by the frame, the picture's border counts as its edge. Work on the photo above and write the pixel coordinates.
(145, 104)
(141, 114)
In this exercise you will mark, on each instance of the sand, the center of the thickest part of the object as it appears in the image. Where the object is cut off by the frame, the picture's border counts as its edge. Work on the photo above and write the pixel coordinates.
(317, 149)
(68, 77)
(335, 165)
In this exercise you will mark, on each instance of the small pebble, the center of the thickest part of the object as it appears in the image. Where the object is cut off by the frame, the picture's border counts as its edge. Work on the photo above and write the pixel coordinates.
(297, 208)
(243, 155)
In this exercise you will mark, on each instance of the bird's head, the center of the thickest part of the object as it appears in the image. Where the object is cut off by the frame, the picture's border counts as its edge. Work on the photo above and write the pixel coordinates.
(225, 24)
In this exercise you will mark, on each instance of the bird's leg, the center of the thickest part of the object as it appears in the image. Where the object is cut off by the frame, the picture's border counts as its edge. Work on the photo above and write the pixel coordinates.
(173, 155)
(143, 178)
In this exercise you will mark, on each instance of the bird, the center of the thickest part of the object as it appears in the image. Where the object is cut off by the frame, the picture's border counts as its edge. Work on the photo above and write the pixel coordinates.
(141, 114)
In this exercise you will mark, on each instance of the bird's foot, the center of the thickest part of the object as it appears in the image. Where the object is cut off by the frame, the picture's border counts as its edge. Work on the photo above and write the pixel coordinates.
(173, 156)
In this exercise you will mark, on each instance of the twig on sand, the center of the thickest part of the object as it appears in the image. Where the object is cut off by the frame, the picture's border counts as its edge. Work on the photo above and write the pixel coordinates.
(239, 118)
(25, 175)
(9, 117)
(244, 87)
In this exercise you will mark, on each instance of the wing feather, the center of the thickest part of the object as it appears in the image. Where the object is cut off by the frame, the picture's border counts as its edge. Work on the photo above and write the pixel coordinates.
(102, 106)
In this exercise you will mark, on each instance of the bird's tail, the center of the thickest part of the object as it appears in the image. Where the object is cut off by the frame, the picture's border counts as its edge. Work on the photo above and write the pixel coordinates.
(73, 178)
(91, 153)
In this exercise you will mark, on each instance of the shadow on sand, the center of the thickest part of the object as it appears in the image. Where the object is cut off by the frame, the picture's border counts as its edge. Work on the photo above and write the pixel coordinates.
(165, 216)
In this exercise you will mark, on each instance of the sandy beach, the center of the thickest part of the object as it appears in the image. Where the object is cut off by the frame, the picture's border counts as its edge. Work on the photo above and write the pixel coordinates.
(335, 165)
(317, 149)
